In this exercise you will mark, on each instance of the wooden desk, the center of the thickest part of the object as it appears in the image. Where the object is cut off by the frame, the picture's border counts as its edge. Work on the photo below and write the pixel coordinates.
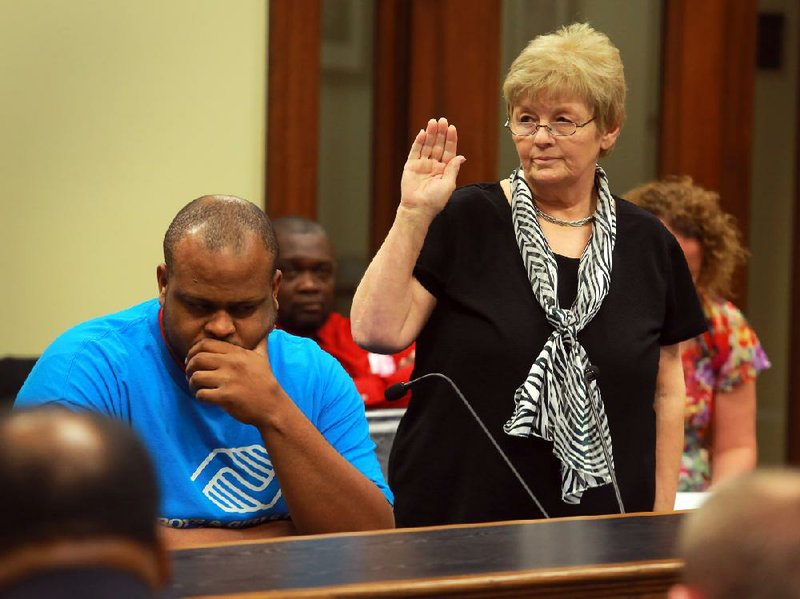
(632, 555)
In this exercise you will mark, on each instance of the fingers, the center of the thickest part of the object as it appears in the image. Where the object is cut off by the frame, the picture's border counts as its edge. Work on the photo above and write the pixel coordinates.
(416, 147)
(450, 145)
(437, 141)
(440, 139)
(208, 354)
(208, 345)
(202, 362)
(204, 379)
(205, 394)
(451, 170)
(430, 139)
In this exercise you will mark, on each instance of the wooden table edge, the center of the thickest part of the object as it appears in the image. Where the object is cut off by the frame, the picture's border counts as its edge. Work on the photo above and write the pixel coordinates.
(298, 538)
(542, 579)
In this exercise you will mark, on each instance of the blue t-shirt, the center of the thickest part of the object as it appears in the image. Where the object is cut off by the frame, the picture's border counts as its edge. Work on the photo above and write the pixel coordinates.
(213, 470)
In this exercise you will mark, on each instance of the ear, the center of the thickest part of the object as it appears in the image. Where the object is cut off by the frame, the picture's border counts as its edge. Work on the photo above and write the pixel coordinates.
(162, 276)
(609, 138)
(276, 285)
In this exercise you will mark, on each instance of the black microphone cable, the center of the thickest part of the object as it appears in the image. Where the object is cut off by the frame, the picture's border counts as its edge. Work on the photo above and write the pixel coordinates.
(589, 375)
(397, 391)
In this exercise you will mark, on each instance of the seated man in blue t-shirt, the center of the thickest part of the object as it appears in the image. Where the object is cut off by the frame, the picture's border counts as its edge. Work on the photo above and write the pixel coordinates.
(246, 425)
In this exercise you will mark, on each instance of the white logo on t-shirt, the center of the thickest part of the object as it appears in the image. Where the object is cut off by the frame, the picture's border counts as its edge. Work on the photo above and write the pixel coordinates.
(240, 474)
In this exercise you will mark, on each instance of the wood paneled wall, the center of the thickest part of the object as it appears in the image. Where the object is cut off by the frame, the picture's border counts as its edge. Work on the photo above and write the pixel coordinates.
(441, 58)
(390, 119)
(293, 107)
(707, 101)
(434, 58)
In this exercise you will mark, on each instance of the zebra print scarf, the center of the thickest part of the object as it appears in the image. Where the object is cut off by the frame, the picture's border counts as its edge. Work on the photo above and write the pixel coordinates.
(553, 401)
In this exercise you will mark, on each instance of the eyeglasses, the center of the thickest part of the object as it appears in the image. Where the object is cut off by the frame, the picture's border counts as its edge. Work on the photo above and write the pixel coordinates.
(557, 129)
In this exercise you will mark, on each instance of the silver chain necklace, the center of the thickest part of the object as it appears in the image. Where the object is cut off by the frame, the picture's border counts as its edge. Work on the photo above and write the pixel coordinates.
(560, 222)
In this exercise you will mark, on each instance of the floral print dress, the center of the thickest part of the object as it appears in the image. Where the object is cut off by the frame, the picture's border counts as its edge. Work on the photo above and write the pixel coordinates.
(724, 357)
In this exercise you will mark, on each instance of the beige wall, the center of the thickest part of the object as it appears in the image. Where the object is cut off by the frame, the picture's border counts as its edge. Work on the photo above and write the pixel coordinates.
(344, 184)
(113, 115)
(771, 218)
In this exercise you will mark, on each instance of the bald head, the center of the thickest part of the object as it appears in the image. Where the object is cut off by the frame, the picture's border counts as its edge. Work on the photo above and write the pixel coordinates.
(75, 476)
(744, 541)
(220, 221)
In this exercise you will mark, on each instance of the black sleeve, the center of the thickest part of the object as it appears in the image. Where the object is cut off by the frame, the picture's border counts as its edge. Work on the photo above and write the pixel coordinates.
(431, 268)
(683, 317)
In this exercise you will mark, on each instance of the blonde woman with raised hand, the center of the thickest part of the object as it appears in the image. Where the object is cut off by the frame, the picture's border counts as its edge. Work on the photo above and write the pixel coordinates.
(515, 290)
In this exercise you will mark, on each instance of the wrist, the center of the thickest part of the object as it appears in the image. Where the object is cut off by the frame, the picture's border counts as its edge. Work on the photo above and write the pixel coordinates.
(415, 218)
(275, 420)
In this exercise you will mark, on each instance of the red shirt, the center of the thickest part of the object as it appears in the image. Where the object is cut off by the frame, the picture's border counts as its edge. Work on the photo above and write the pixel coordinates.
(372, 373)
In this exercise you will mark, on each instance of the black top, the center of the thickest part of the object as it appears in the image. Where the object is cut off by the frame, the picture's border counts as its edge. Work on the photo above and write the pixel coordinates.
(484, 333)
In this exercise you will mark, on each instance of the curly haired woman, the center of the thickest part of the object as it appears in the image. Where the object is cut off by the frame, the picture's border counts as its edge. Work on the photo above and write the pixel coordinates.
(720, 366)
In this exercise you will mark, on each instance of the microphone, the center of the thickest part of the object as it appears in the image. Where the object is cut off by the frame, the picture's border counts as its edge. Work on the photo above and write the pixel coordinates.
(590, 374)
(398, 390)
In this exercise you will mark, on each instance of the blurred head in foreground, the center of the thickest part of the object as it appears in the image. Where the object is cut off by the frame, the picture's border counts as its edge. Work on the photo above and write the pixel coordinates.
(79, 491)
(744, 541)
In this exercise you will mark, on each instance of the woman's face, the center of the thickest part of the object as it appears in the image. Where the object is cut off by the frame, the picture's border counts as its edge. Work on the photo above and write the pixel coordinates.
(551, 162)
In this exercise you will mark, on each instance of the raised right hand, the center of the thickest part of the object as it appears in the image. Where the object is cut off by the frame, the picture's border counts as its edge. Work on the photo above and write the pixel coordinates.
(429, 175)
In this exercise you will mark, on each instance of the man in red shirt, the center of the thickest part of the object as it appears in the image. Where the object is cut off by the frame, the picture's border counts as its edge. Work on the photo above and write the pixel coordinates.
(305, 300)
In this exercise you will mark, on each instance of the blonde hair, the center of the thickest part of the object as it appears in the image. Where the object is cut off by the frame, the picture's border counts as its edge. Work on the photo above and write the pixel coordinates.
(694, 212)
(575, 60)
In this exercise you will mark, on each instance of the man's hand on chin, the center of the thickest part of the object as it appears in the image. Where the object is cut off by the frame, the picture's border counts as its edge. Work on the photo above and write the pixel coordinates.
(238, 380)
